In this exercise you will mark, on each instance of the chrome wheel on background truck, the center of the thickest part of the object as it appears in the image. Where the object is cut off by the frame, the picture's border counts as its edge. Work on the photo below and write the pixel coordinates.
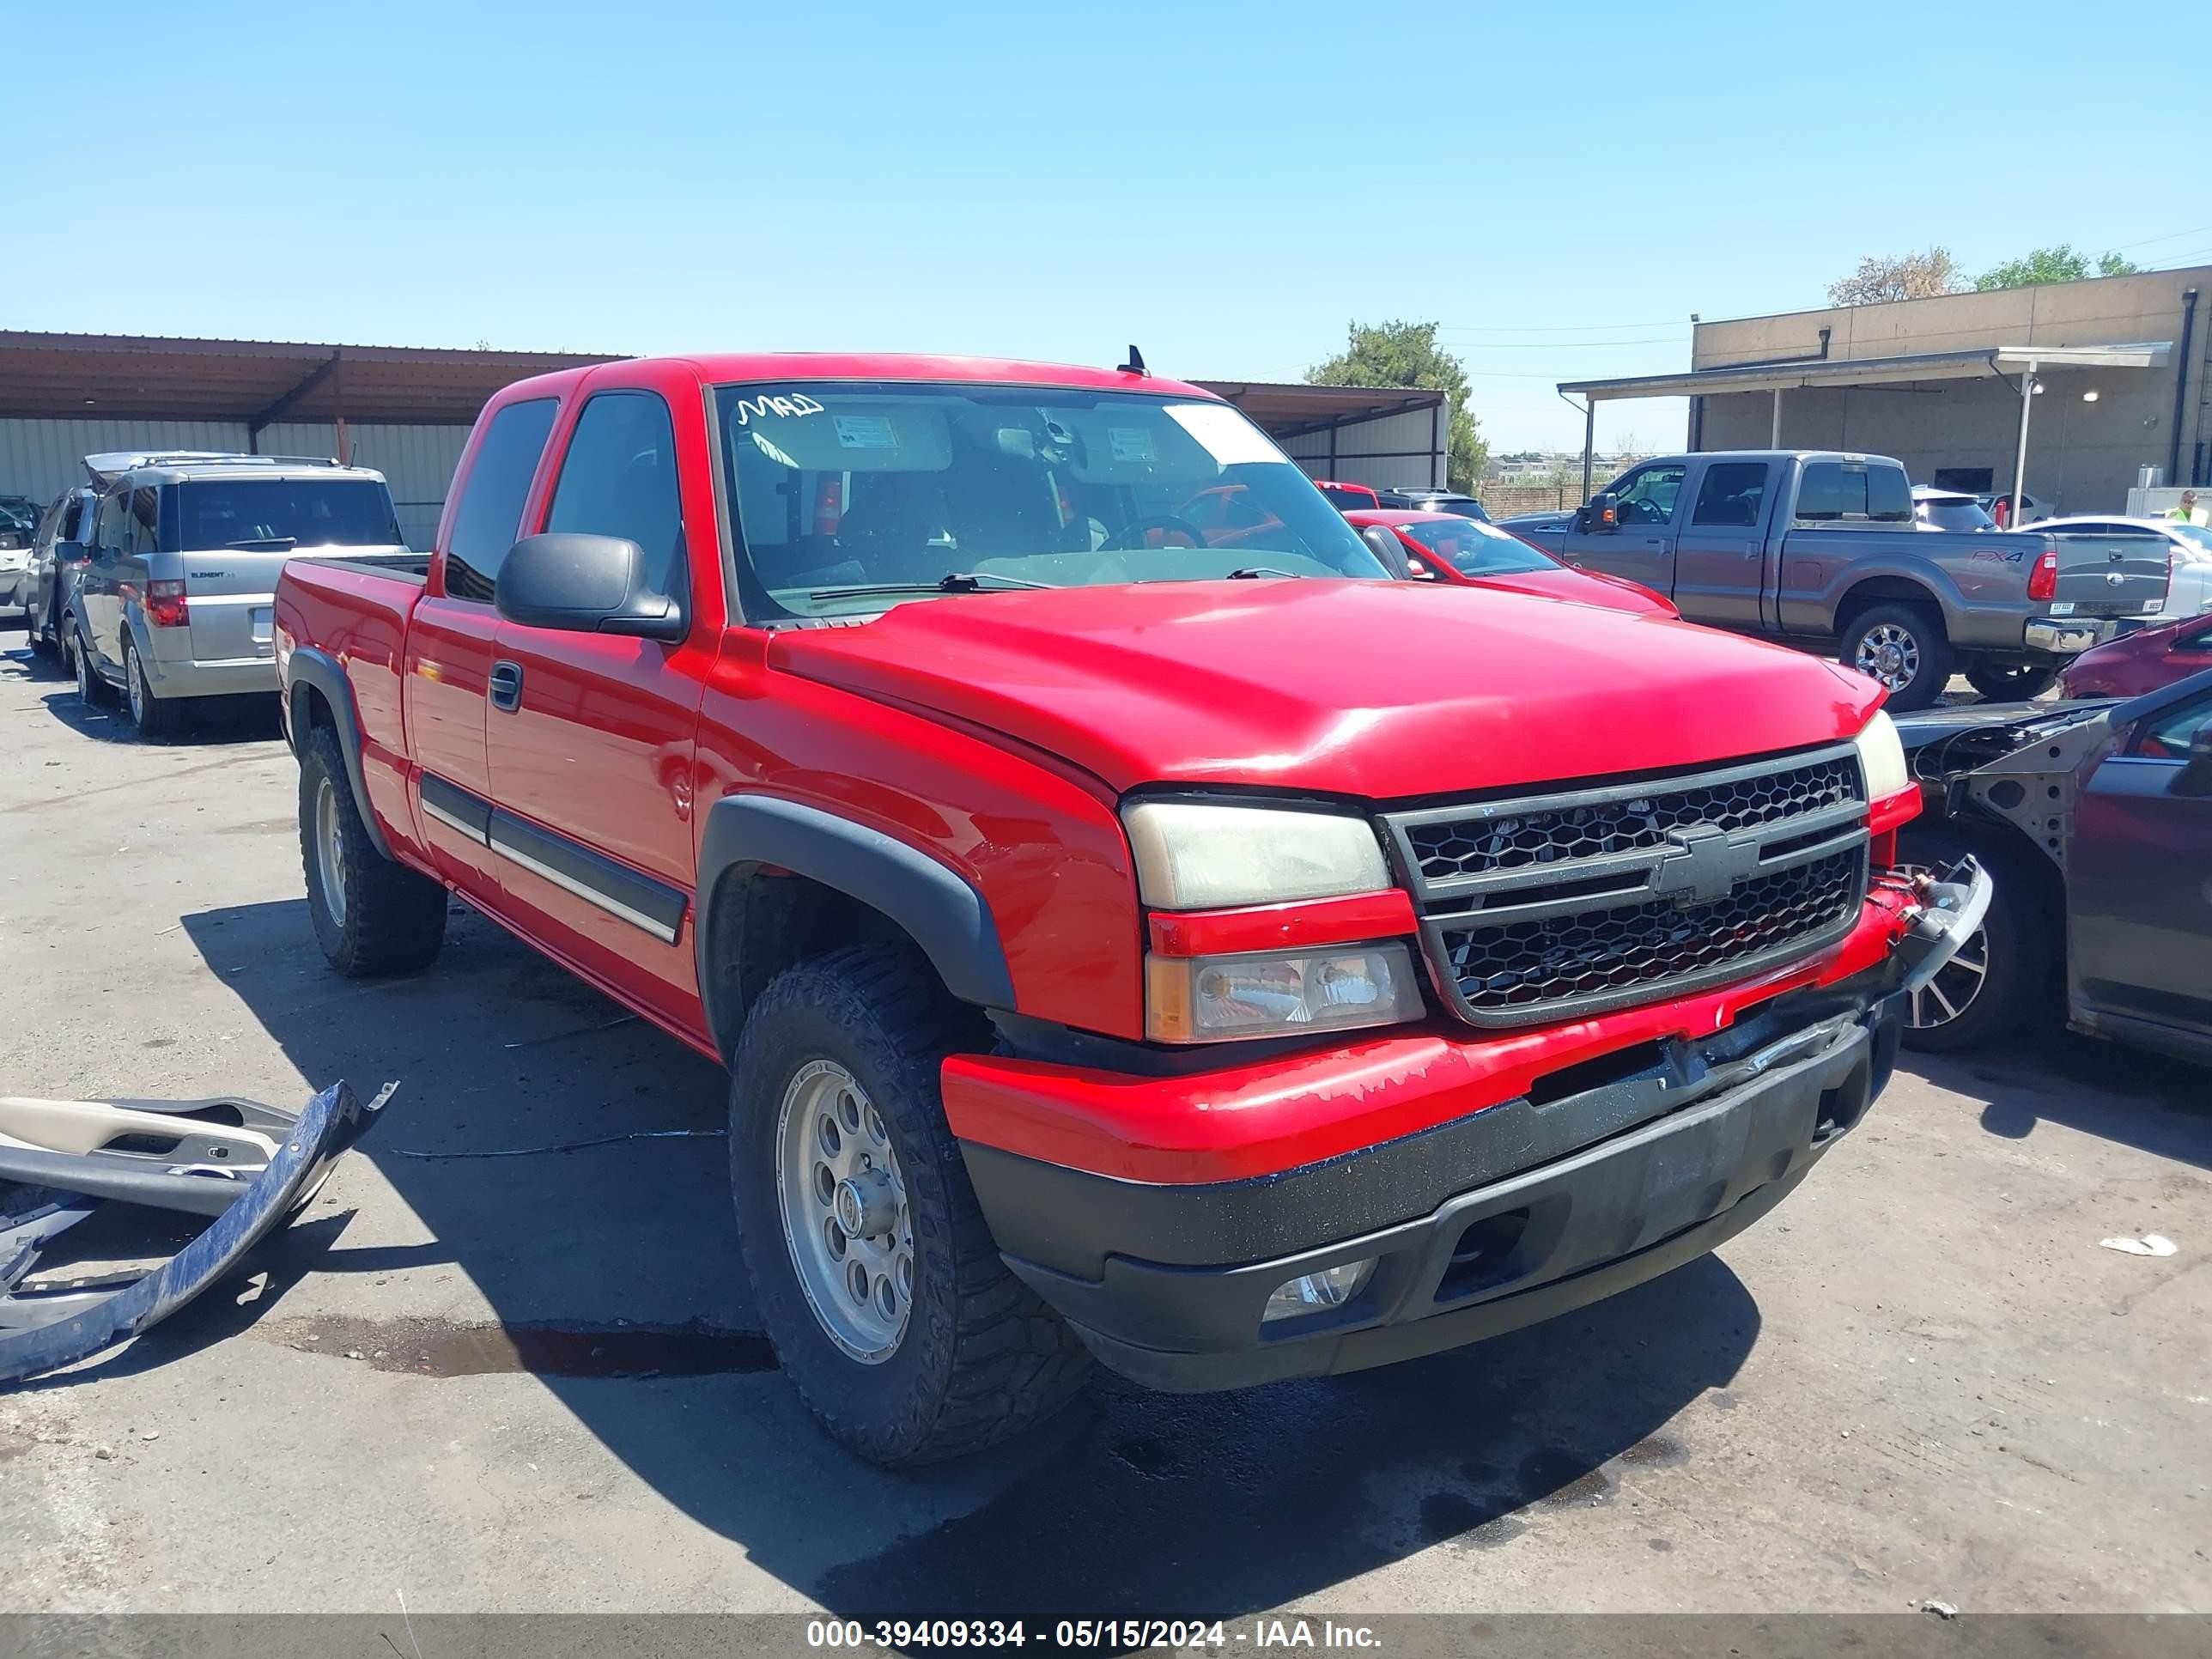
(1904, 646)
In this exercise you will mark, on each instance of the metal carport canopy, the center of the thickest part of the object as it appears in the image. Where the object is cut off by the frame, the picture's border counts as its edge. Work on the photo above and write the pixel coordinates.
(1981, 362)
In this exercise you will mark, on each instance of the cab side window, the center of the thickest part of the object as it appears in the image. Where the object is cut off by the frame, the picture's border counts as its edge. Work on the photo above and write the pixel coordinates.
(1647, 496)
(618, 478)
(489, 510)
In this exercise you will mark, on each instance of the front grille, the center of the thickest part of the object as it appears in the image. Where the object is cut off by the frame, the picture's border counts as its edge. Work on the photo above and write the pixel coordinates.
(1537, 908)
(1612, 948)
(1542, 833)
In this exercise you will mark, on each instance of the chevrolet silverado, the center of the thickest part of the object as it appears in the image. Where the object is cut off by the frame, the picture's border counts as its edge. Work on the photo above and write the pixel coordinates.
(1130, 937)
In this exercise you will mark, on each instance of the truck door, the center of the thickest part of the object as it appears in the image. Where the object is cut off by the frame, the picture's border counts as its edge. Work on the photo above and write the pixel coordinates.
(1720, 552)
(1641, 544)
(591, 735)
(2139, 871)
(450, 640)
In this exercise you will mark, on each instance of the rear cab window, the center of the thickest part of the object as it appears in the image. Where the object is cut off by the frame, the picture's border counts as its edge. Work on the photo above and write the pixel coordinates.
(488, 512)
(1853, 492)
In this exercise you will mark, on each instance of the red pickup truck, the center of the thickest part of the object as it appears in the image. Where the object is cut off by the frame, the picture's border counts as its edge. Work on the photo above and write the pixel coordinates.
(1212, 958)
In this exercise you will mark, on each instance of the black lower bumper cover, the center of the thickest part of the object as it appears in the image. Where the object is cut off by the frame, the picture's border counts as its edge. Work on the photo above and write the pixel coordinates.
(1523, 1210)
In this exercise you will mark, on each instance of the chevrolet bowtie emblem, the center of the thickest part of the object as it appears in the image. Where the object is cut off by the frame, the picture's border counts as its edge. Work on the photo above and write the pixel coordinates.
(1703, 866)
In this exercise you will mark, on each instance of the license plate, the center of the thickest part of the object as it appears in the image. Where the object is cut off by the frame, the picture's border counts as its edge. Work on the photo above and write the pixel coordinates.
(2063, 608)
(263, 629)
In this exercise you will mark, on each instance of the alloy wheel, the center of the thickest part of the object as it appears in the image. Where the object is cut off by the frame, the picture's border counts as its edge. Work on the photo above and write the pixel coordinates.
(845, 1216)
(1889, 654)
(329, 847)
(1956, 985)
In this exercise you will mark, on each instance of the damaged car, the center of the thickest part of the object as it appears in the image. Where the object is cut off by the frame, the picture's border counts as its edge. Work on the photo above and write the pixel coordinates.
(2095, 818)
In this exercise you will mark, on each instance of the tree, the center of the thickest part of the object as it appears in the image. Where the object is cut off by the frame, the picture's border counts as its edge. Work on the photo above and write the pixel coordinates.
(1899, 277)
(1406, 355)
(2052, 264)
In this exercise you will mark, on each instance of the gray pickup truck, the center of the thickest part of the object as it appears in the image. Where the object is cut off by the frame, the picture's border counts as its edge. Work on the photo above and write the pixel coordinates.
(1819, 545)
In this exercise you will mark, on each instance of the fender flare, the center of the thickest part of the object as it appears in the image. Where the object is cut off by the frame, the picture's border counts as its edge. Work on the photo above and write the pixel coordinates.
(1937, 585)
(940, 909)
(312, 667)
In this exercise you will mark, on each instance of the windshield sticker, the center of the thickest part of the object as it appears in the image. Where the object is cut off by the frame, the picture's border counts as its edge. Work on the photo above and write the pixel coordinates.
(1131, 443)
(789, 407)
(865, 432)
(1223, 433)
(769, 449)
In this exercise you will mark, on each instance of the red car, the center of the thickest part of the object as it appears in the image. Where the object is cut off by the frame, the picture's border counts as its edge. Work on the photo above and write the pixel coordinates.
(1446, 548)
(1222, 961)
(2141, 661)
(1347, 497)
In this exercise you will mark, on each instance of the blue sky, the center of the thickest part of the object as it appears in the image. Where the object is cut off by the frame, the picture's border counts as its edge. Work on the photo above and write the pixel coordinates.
(1226, 184)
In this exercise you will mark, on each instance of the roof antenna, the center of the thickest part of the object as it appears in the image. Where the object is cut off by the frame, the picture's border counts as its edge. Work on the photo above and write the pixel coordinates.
(1136, 363)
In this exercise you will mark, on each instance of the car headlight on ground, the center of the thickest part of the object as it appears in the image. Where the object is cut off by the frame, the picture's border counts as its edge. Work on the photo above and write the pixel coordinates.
(1193, 855)
(1882, 754)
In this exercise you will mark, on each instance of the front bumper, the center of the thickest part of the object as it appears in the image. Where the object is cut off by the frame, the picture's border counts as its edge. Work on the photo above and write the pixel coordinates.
(1476, 1227)
(1529, 1175)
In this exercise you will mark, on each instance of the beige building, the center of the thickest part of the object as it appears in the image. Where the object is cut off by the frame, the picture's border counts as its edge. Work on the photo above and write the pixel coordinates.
(1936, 383)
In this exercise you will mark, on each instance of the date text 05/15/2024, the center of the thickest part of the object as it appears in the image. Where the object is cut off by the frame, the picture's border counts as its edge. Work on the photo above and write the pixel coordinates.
(1083, 1634)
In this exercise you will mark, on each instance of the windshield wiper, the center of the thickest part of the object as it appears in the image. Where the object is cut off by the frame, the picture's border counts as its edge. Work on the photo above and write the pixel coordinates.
(959, 581)
(1254, 572)
(265, 541)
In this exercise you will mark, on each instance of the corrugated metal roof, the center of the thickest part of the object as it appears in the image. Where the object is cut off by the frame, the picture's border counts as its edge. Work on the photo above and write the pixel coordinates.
(256, 381)
(259, 382)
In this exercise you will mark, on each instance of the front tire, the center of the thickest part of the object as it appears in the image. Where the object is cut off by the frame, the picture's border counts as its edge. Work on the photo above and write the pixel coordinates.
(2003, 970)
(154, 717)
(1904, 646)
(892, 1314)
(371, 915)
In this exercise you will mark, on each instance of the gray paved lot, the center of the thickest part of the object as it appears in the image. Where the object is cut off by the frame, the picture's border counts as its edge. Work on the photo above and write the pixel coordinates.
(1921, 1378)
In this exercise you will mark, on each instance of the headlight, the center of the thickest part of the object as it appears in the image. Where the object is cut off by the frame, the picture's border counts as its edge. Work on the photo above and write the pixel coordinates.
(1883, 756)
(1210, 999)
(1191, 856)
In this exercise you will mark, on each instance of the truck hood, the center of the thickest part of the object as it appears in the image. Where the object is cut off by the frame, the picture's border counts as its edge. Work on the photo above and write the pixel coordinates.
(1377, 690)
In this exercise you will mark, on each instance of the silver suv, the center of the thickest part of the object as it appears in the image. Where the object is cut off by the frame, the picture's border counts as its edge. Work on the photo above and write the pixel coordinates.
(177, 598)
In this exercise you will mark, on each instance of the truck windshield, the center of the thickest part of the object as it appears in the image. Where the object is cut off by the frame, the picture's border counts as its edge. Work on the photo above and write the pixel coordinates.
(1475, 548)
(844, 490)
(298, 511)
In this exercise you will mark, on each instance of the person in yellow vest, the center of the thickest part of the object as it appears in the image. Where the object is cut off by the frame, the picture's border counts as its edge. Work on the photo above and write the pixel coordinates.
(2187, 511)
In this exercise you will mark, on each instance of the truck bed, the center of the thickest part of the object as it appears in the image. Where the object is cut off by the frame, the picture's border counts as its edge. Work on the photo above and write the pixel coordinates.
(353, 614)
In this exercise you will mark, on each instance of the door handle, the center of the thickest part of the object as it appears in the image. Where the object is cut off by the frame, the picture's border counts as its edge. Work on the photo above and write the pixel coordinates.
(507, 686)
